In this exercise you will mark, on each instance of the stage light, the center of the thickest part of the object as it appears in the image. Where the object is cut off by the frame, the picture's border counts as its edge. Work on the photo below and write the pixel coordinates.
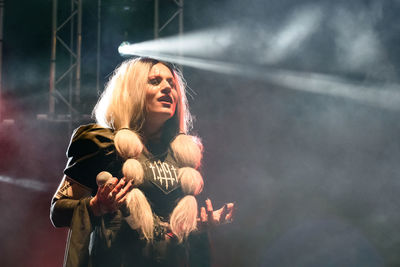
(259, 52)
(382, 95)
(205, 44)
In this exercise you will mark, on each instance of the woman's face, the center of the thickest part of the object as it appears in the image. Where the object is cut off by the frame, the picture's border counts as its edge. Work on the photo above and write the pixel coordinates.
(161, 95)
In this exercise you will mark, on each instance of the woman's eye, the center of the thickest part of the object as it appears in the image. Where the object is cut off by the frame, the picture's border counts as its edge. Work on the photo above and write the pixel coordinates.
(171, 83)
(154, 81)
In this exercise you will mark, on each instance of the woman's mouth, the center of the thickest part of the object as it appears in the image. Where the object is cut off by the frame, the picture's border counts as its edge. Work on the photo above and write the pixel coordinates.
(166, 98)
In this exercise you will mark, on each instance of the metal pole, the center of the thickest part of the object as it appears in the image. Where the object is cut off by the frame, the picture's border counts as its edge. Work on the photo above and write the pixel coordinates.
(181, 18)
(71, 59)
(78, 54)
(156, 18)
(53, 60)
(71, 63)
(1, 54)
(98, 46)
(180, 31)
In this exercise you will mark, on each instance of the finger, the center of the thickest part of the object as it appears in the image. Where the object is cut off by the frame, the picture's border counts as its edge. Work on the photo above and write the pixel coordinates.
(120, 185)
(109, 185)
(222, 217)
(104, 190)
(117, 188)
(210, 210)
(203, 214)
(231, 209)
(124, 191)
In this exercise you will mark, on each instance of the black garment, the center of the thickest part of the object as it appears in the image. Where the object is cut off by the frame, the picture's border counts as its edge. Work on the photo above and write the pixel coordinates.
(92, 150)
(108, 240)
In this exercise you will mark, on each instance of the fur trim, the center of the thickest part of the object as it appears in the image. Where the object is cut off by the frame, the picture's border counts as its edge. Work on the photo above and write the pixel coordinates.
(128, 143)
(187, 150)
(133, 170)
(184, 217)
(191, 181)
(141, 216)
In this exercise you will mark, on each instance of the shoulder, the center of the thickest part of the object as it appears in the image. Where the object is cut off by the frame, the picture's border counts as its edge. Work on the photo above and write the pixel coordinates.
(91, 150)
(92, 131)
(90, 137)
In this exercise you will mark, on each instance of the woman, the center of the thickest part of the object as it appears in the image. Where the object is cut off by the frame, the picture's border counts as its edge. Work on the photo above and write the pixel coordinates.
(142, 210)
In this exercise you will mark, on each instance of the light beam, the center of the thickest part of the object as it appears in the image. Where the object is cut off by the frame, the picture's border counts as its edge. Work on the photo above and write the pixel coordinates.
(382, 95)
(25, 183)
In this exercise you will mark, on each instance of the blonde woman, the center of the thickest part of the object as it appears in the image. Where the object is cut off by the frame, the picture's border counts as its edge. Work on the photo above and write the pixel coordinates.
(129, 190)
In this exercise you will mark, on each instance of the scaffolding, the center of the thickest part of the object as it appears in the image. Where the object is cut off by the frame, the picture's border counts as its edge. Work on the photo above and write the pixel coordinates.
(1, 57)
(71, 44)
(70, 76)
(177, 14)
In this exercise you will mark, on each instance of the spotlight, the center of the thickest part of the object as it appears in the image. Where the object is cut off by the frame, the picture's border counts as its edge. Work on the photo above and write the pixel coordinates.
(179, 50)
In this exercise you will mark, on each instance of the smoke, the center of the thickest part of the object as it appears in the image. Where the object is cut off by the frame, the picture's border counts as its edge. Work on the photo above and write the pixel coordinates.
(382, 95)
(285, 54)
(297, 104)
(30, 184)
(318, 37)
(290, 37)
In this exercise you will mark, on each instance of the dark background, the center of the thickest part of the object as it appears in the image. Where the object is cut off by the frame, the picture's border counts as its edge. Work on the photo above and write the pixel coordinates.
(315, 176)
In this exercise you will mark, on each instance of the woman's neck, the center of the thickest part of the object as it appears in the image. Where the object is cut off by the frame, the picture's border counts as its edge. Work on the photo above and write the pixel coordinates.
(152, 131)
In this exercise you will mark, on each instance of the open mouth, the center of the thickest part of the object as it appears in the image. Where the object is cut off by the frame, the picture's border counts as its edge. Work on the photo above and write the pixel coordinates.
(166, 98)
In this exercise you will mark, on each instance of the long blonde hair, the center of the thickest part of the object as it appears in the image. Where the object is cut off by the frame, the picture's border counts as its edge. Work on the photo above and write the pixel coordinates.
(122, 104)
(122, 108)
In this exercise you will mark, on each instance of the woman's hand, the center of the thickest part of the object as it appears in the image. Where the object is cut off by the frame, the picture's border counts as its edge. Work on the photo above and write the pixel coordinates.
(209, 217)
(110, 196)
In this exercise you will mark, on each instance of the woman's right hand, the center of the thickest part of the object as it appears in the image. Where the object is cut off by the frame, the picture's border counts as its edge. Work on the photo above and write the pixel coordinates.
(110, 196)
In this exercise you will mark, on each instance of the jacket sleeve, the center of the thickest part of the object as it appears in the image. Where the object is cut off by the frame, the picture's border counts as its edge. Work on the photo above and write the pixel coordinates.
(77, 251)
(91, 150)
(61, 211)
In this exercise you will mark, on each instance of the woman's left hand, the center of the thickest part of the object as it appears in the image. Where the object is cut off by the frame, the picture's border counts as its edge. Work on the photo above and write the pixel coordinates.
(209, 217)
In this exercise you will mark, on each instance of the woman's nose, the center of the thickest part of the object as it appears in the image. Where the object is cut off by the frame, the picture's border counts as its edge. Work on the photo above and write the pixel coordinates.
(165, 86)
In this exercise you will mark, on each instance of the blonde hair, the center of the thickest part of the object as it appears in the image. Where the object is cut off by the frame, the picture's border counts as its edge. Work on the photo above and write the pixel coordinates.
(184, 217)
(122, 104)
(122, 107)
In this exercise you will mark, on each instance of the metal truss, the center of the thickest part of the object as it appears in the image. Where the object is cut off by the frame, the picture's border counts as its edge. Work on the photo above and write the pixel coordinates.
(178, 14)
(67, 35)
(1, 56)
(65, 79)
